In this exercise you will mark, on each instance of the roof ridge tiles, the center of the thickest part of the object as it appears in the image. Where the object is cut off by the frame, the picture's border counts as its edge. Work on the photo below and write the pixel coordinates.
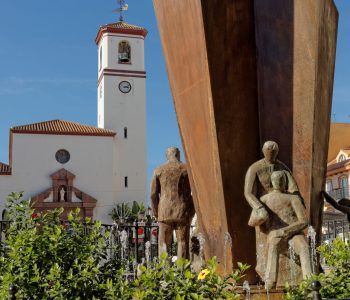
(62, 127)
(120, 27)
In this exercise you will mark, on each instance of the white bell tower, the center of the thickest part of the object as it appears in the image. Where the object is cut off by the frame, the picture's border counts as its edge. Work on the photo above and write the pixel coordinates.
(122, 105)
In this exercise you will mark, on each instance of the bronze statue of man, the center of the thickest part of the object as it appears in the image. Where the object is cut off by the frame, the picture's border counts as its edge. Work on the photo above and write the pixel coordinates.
(286, 222)
(172, 203)
(257, 184)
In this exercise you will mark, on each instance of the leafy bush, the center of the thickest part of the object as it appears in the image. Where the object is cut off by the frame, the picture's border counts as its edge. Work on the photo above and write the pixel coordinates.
(46, 259)
(122, 213)
(336, 281)
(177, 281)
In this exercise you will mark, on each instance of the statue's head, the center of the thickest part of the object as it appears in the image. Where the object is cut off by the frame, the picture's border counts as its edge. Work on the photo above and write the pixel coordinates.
(270, 151)
(279, 181)
(172, 154)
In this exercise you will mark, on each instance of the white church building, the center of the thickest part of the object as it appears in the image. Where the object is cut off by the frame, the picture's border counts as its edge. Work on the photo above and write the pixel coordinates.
(66, 164)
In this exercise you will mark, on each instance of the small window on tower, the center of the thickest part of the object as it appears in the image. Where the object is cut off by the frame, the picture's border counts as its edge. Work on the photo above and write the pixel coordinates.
(124, 53)
(126, 181)
(125, 132)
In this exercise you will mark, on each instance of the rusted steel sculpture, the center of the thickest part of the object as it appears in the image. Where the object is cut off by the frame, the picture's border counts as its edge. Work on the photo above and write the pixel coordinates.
(243, 72)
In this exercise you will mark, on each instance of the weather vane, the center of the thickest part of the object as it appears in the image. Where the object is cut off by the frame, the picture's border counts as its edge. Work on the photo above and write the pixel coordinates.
(122, 7)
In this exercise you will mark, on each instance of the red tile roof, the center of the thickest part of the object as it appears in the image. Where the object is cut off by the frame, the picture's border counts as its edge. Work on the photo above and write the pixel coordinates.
(337, 165)
(60, 127)
(121, 27)
(5, 169)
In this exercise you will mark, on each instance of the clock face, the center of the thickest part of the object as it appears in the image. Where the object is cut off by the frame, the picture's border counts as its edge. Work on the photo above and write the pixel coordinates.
(62, 156)
(125, 87)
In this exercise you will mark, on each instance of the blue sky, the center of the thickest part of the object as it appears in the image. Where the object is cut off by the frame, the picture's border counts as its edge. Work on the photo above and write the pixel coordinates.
(48, 67)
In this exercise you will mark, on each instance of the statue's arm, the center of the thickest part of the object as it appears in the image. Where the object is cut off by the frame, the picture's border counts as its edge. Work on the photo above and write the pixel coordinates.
(249, 189)
(335, 204)
(302, 222)
(155, 191)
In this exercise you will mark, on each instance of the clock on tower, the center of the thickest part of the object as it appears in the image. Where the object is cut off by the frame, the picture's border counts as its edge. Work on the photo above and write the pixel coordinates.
(122, 104)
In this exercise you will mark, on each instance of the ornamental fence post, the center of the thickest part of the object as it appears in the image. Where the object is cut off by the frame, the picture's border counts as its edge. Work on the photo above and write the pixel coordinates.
(12, 292)
(316, 286)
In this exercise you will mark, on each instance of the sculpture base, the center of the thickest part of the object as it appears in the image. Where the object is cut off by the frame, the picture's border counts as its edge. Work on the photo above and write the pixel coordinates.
(259, 293)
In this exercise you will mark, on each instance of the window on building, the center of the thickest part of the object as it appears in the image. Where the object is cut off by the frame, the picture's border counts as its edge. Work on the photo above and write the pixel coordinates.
(125, 132)
(329, 186)
(126, 181)
(342, 157)
(344, 187)
(124, 53)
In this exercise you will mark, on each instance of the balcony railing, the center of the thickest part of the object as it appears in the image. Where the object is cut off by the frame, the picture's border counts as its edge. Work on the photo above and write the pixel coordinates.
(335, 228)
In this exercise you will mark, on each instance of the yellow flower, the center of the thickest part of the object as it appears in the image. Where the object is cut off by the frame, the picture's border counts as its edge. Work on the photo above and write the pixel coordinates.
(202, 274)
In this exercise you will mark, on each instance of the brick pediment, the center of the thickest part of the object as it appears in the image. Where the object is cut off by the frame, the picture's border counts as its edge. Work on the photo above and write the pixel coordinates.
(64, 194)
(62, 174)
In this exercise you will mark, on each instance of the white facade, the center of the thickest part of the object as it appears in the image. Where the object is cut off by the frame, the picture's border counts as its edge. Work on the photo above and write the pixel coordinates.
(338, 175)
(33, 161)
(107, 167)
(125, 112)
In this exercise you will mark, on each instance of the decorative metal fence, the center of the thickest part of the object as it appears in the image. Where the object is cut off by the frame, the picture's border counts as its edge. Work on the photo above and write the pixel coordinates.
(335, 228)
(136, 241)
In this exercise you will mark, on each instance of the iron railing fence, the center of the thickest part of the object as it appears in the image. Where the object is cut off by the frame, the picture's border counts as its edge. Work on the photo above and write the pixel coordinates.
(138, 241)
(135, 241)
(335, 228)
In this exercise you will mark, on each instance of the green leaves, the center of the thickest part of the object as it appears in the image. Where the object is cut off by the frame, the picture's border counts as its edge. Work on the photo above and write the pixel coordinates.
(124, 213)
(335, 281)
(51, 260)
(168, 281)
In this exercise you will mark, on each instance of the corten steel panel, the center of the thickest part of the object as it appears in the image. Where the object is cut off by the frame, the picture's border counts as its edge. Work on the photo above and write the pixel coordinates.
(274, 23)
(327, 35)
(230, 42)
(181, 31)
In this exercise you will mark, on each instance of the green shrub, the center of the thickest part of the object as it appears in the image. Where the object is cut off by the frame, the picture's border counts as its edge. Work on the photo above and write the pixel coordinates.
(336, 281)
(176, 281)
(46, 259)
(123, 213)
